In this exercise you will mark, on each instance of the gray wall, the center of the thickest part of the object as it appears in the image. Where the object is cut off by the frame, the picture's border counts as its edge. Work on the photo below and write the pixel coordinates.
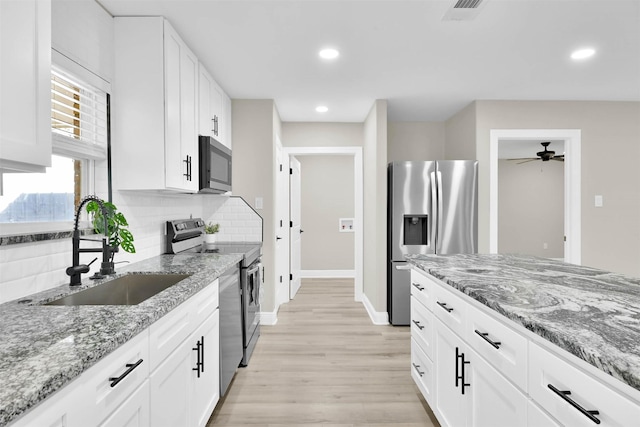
(610, 155)
(318, 134)
(415, 141)
(531, 208)
(255, 123)
(327, 195)
(375, 206)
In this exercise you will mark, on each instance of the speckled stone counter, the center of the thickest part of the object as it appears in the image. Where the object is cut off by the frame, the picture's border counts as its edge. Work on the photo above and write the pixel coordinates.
(591, 313)
(42, 348)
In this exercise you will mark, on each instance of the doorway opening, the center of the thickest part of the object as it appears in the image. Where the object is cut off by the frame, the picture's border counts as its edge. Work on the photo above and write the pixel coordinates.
(356, 225)
(518, 139)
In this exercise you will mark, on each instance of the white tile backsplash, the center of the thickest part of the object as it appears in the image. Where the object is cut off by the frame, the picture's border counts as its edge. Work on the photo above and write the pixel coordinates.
(32, 267)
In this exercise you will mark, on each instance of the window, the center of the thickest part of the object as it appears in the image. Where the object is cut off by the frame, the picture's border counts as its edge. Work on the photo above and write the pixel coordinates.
(79, 121)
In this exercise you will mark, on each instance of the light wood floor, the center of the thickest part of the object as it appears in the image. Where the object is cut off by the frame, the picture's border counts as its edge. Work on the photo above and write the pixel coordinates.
(326, 364)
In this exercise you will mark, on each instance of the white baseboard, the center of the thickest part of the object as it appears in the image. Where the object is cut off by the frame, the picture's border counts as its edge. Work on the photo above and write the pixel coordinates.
(269, 318)
(377, 317)
(327, 274)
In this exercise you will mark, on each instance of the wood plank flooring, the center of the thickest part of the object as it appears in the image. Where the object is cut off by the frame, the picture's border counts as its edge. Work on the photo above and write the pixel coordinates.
(325, 364)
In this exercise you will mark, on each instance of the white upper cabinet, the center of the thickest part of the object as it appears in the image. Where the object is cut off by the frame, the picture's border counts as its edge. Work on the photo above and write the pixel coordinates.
(215, 109)
(155, 107)
(25, 85)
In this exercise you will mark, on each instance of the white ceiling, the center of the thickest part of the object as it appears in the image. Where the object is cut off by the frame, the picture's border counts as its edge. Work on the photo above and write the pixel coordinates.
(402, 51)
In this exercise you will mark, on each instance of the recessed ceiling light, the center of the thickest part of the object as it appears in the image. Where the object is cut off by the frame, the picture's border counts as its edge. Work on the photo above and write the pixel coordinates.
(329, 53)
(583, 53)
(322, 109)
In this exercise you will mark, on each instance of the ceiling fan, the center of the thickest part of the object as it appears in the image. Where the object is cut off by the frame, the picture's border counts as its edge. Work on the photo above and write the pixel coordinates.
(545, 155)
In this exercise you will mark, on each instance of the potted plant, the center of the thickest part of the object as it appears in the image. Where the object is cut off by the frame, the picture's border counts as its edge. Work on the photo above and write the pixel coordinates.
(210, 231)
(117, 225)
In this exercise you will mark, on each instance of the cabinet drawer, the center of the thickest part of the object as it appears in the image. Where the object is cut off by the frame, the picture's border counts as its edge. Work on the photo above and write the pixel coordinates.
(166, 334)
(422, 289)
(501, 346)
(546, 370)
(422, 326)
(450, 309)
(422, 371)
(111, 381)
(204, 303)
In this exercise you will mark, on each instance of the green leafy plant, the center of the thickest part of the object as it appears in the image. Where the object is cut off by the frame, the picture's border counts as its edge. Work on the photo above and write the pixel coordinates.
(116, 224)
(211, 228)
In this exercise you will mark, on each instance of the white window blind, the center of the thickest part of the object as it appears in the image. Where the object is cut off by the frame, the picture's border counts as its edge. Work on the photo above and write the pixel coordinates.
(78, 117)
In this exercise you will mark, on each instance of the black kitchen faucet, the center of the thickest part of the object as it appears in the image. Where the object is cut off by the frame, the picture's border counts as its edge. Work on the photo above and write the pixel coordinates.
(76, 270)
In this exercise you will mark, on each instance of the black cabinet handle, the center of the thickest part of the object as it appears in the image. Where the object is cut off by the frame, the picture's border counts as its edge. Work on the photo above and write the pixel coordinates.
(564, 394)
(417, 285)
(485, 336)
(460, 372)
(131, 367)
(278, 238)
(199, 357)
(444, 305)
(417, 368)
(418, 324)
(215, 125)
(213, 122)
(188, 162)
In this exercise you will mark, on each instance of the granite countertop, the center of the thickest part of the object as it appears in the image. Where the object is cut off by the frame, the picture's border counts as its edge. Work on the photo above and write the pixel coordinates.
(42, 348)
(591, 313)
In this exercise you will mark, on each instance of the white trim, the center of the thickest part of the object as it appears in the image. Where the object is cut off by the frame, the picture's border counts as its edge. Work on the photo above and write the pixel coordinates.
(358, 185)
(377, 317)
(268, 318)
(327, 274)
(572, 208)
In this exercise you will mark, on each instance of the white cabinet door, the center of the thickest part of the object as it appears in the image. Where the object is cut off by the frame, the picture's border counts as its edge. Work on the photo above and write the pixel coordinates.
(181, 74)
(155, 113)
(25, 85)
(450, 402)
(206, 124)
(536, 417)
(169, 388)
(133, 412)
(205, 382)
(214, 115)
(493, 401)
(227, 123)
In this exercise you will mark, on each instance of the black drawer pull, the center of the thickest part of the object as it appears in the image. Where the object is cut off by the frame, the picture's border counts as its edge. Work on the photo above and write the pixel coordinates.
(444, 305)
(418, 324)
(131, 367)
(485, 336)
(417, 370)
(417, 285)
(565, 395)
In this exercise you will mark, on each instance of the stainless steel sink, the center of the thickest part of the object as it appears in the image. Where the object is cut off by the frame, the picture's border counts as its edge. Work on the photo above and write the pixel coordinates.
(131, 289)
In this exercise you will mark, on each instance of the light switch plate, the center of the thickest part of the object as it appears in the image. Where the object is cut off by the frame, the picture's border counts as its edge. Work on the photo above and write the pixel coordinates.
(598, 201)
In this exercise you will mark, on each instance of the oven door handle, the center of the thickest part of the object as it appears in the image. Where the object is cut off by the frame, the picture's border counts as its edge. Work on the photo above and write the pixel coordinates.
(252, 270)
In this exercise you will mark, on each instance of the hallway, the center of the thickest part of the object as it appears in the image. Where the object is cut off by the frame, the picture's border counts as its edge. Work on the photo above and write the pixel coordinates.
(326, 364)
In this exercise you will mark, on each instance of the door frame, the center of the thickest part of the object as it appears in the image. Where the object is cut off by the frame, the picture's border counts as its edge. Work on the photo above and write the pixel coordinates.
(572, 195)
(358, 191)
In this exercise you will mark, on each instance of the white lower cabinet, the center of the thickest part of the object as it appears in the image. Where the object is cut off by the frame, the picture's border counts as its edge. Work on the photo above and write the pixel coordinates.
(168, 375)
(487, 372)
(205, 385)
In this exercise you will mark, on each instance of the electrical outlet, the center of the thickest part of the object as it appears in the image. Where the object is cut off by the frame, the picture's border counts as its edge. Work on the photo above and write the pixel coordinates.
(598, 201)
(545, 245)
(259, 203)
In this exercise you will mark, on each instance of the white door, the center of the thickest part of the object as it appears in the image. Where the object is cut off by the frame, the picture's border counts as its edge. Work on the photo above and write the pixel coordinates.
(296, 232)
(282, 226)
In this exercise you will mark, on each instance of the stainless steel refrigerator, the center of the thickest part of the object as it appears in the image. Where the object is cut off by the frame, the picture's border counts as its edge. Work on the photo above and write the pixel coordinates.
(432, 209)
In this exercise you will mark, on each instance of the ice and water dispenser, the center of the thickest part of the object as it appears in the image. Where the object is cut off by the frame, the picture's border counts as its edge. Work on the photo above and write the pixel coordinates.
(415, 230)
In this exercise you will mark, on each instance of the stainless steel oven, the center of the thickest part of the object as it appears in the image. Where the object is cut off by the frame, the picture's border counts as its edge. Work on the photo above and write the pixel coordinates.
(250, 283)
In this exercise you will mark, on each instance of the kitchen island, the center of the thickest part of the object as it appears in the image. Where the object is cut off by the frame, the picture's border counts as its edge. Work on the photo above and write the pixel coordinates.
(568, 310)
(43, 348)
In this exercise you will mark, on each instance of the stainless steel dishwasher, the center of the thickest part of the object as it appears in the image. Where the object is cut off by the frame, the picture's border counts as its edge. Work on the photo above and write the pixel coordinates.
(231, 346)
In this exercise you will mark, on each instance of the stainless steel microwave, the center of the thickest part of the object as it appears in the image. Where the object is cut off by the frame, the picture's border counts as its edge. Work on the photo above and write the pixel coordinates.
(215, 166)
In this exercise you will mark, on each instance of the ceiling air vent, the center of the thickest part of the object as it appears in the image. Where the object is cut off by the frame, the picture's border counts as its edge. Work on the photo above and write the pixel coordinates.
(464, 10)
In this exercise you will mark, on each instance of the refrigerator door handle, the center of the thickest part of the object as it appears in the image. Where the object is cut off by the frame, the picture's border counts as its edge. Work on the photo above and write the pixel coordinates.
(403, 267)
(434, 214)
(440, 210)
